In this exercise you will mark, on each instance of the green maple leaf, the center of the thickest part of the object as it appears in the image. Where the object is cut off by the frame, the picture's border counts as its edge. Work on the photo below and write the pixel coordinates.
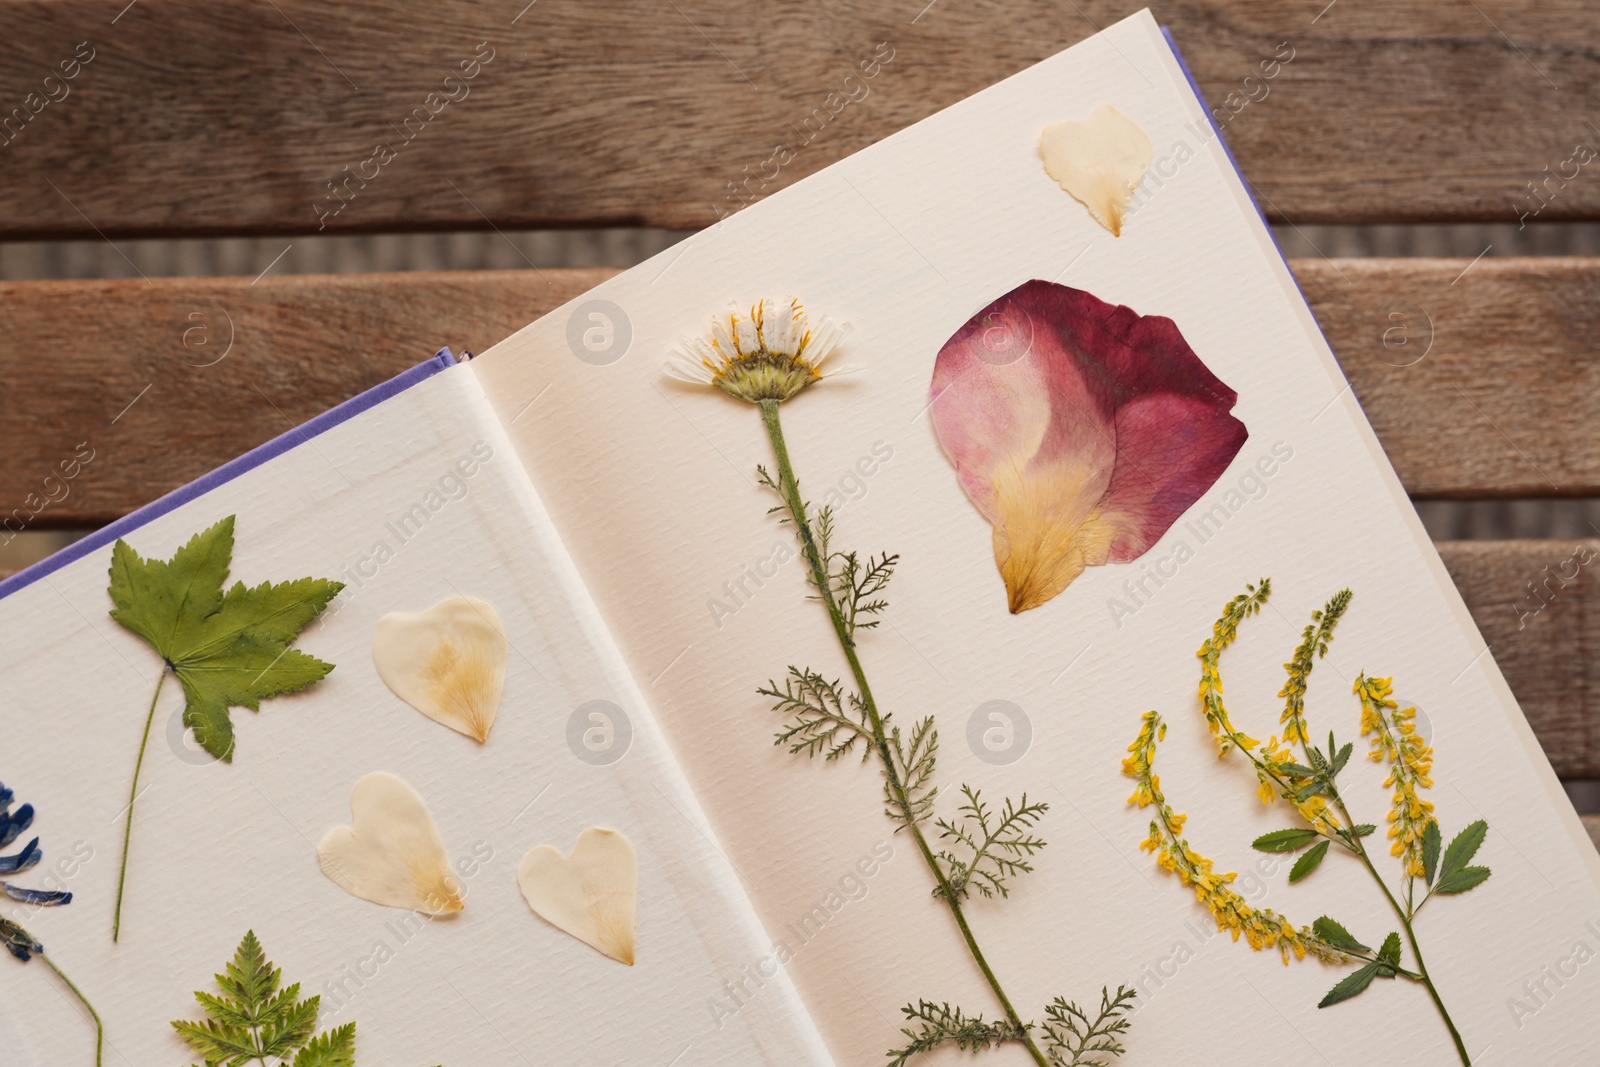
(228, 649)
(257, 1017)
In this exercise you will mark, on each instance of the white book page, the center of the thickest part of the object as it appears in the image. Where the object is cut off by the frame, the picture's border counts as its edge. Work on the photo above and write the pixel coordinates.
(652, 487)
(416, 500)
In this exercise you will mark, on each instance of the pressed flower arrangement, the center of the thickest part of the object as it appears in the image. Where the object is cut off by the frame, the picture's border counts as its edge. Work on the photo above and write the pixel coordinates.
(227, 649)
(17, 941)
(1081, 430)
(1310, 785)
(768, 356)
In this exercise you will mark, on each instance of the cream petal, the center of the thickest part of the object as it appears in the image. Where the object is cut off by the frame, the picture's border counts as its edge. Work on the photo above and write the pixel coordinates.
(591, 894)
(391, 854)
(722, 334)
(1100, 161)
(682, 370)
(746, 336)
(693, 361)
(778, 327)
(822, 337)
(448, 662)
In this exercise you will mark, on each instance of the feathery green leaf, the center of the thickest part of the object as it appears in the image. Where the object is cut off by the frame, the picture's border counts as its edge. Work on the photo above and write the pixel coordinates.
(915, 766)
(825, 719)
(254, 1019)
(943, 1025)
(987, 852)
(1075, 1040)
(336, 1048)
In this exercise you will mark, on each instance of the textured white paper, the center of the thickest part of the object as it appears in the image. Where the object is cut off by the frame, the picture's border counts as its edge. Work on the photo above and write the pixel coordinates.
(220, 849)
(651, 486)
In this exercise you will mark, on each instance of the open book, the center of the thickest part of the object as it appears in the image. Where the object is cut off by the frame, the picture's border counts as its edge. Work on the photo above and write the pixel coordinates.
(534, 812)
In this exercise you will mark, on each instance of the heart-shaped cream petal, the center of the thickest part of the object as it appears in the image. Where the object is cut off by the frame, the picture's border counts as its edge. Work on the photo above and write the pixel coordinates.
(592, 894)
(391, 854)
(1100, 161)
(448, 662)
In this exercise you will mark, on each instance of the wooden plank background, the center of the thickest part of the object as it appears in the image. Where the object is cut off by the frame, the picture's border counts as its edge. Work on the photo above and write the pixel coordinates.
(1481, 380)
(194, 117)
(1550, 654)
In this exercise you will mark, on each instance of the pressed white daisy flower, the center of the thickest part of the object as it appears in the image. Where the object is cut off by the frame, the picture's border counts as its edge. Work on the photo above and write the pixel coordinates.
(770, 352)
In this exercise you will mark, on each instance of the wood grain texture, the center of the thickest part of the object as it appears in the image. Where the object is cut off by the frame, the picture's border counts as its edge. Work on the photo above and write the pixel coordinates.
(1482, 380)
(1550, 654)
(195, 117)
(143, 372)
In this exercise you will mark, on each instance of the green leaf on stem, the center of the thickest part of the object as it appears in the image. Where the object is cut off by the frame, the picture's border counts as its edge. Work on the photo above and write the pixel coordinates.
(1073, 1039)
(1291, 840)
(1306, 792)
(826, 719)
(1341, 759)
(1336, 935)
(254, 1017)
(1308, 862)
(1462, 849)
(1389, 954)
(228, 649)
(1353, 984)
(1430, 851)
(987, 849)
(1461, 881)
(941, 1024)
(915, 766)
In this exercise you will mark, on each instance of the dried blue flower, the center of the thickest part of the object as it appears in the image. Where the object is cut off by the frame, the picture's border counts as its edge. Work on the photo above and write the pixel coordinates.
(29, 857)
(42, 898)
(17, 941)
(12, 824)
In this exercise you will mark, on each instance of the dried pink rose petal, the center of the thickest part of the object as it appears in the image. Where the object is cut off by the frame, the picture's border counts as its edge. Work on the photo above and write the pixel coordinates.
(1080, 429)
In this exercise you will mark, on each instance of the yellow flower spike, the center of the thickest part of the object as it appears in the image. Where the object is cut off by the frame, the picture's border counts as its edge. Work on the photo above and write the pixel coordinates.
(1231, 912)
(1307, 784)
(1395, 739)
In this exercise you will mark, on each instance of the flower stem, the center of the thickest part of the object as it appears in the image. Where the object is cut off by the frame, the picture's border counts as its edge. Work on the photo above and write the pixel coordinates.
(99, 1027)
(1411, 937)
(133, 794)
(789, 488)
